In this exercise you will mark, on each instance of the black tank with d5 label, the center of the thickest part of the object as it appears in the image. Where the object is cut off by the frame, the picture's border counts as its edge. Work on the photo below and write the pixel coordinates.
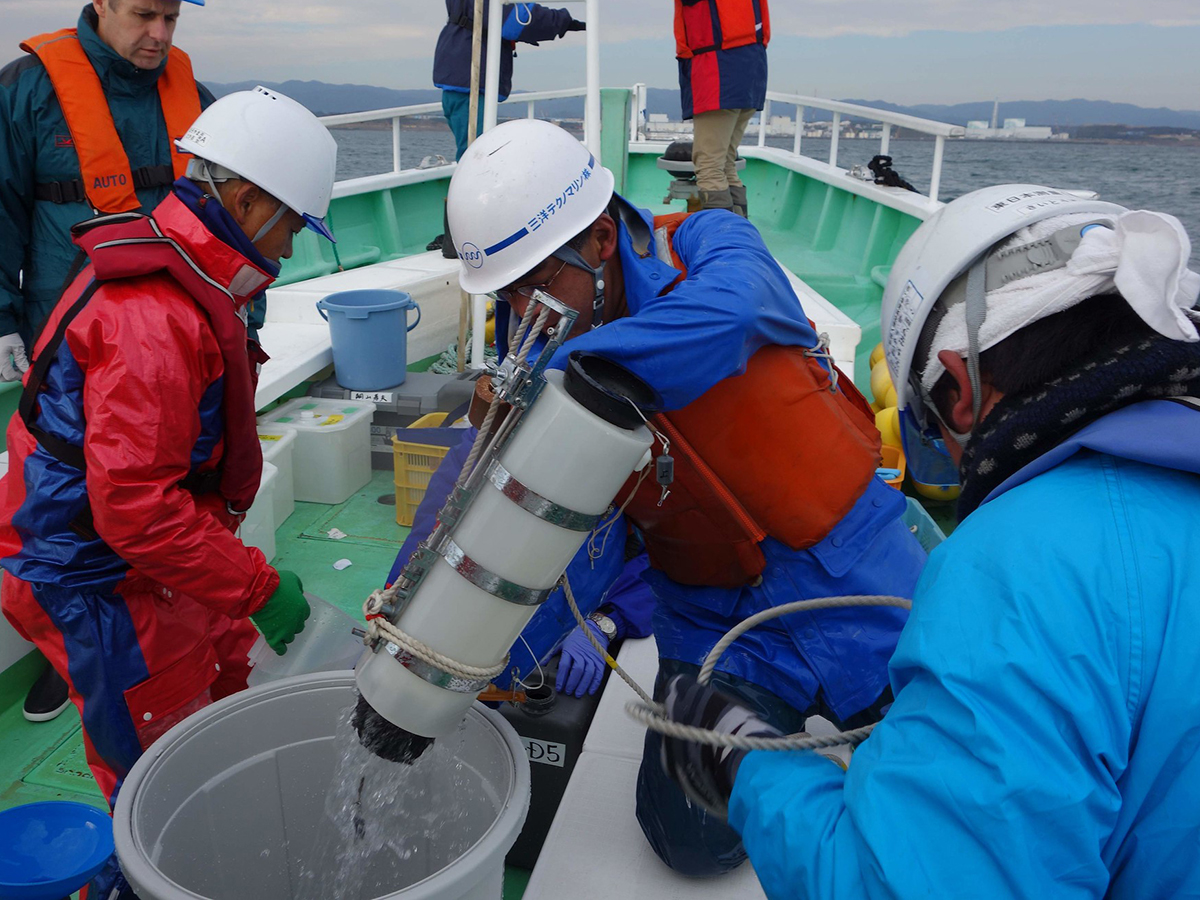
(552, 727)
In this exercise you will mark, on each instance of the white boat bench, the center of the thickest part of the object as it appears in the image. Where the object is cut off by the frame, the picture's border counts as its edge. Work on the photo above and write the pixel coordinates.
(297, 338)
(595, 849)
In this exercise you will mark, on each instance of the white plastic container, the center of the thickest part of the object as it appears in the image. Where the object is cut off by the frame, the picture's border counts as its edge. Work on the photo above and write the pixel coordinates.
(276, 446)
(325, 644)
(331, 458)
(258, 528)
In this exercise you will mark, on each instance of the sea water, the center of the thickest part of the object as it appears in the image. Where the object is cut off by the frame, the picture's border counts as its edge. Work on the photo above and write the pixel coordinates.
(1140, 176)
(389, 825)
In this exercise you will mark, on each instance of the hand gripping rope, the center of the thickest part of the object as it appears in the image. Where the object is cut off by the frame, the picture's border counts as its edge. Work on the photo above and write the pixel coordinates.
(653, 716)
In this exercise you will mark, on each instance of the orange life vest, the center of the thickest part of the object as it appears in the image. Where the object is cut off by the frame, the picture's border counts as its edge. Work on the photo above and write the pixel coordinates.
(108, 179)
(775, 451)
(720, 25)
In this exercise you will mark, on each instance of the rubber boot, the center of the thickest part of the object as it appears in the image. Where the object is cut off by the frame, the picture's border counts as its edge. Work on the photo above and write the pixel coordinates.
(716, 200)
(448, 251)
(740, 205)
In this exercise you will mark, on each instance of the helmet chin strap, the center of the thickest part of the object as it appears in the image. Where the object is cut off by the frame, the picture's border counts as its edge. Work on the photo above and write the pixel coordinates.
(202, 169)
(573, 257)
(270, 223)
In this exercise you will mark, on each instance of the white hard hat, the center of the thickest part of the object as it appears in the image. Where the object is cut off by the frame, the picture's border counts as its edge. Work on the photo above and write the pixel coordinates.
(950, 243)
(520, 192)
(272, 141)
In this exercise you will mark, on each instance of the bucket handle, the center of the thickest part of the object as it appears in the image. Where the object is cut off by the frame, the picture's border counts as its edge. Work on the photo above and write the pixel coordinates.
(416, 323)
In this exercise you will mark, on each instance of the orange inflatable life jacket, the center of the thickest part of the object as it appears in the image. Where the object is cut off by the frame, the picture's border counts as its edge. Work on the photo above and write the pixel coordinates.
(108, 180)
(776, 451)
(720, 25)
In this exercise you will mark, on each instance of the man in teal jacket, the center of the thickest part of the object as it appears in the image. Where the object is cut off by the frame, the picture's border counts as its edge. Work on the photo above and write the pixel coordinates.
(128, 46)
(1043, 740)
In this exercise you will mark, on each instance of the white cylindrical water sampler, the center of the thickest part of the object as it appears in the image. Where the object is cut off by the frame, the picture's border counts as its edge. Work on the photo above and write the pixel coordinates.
(546, 488)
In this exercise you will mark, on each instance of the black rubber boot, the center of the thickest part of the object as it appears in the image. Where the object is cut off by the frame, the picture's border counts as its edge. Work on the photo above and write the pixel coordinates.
(448, 250)
(47, 698)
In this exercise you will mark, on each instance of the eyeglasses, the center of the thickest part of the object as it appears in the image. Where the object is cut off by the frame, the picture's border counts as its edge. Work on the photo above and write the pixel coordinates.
(527, 290)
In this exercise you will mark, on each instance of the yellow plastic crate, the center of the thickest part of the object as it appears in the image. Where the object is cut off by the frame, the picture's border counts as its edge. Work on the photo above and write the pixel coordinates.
(415, 464)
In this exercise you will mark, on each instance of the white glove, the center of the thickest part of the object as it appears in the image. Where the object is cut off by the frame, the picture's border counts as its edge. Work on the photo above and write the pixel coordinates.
(13, 361)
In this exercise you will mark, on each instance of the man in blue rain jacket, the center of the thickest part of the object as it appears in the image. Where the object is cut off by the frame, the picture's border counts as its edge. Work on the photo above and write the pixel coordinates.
(1043, 739)
(526, 22)
(727, 346)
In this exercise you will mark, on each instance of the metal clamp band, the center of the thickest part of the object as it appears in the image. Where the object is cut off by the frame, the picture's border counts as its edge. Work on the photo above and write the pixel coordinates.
(485, 580)
(535, 504)
(435, 676)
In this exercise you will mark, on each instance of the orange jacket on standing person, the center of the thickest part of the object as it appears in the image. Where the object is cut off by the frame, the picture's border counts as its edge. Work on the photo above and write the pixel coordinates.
(721, 46)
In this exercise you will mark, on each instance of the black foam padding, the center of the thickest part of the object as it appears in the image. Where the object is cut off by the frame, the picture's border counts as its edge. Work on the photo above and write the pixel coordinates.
(385, 740)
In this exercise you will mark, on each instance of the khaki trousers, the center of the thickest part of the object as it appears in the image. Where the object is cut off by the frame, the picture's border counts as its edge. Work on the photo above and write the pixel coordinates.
(715, 139)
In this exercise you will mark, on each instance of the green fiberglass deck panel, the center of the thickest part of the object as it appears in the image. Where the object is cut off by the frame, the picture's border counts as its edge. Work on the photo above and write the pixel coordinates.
(39, 760)
(371, 227)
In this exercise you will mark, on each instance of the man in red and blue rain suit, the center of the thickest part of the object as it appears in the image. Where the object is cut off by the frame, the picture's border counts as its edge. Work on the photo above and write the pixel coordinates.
(132, 459)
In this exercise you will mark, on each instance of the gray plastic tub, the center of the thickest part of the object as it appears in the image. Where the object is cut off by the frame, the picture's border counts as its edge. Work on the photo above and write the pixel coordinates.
(226, 804)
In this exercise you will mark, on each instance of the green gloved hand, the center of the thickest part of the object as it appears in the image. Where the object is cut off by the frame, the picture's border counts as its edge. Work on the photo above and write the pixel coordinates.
(283, 615)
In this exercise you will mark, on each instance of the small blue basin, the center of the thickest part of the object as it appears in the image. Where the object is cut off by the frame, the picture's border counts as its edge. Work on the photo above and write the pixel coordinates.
(49, 850)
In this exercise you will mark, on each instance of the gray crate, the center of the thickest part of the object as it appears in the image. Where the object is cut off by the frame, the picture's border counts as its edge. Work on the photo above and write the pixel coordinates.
(421, 393)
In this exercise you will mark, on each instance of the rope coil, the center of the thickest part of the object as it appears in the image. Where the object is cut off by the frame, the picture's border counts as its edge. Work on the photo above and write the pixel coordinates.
(653, 715)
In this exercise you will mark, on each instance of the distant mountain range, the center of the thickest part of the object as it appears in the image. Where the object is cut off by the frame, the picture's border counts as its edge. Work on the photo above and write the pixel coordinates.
(331, 99)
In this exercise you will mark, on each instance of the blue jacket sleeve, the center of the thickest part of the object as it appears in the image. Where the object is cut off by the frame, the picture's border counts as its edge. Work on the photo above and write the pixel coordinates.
(532, 22)
(441, 482)
(995, 772)
(16, 193)
(631, 599)
(734, 301)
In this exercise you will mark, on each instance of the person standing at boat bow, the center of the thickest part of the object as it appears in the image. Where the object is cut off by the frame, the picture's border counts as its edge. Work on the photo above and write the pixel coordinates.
(529, 23)
(1043, 740)
(135, 453)
(774, 496)
(721, 47)
(87, 119)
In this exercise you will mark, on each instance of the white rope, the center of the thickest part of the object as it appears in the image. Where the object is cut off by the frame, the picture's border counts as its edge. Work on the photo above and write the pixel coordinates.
(379, 627)
(652, 714)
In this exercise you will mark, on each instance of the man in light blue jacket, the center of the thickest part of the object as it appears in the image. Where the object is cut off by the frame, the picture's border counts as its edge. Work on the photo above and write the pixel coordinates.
(1046, 726)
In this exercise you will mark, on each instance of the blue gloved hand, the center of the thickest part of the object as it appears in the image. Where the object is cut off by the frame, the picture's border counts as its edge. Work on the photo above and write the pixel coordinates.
(704, 772)
(580, 668)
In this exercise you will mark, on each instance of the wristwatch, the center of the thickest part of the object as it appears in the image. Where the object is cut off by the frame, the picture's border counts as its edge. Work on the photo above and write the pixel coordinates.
(607, 626)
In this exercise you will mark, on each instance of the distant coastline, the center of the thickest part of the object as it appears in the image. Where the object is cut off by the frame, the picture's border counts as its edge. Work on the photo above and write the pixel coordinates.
(436, 123)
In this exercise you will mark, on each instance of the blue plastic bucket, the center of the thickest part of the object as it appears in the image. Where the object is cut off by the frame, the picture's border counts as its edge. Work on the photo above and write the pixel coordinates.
(369, 334)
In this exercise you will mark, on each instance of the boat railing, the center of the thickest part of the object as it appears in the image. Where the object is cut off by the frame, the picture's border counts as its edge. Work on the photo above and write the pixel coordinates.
(939, 131)
(397, 113)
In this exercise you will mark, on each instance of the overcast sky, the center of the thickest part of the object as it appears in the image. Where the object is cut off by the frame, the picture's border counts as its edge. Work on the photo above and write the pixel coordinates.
(933, 51)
